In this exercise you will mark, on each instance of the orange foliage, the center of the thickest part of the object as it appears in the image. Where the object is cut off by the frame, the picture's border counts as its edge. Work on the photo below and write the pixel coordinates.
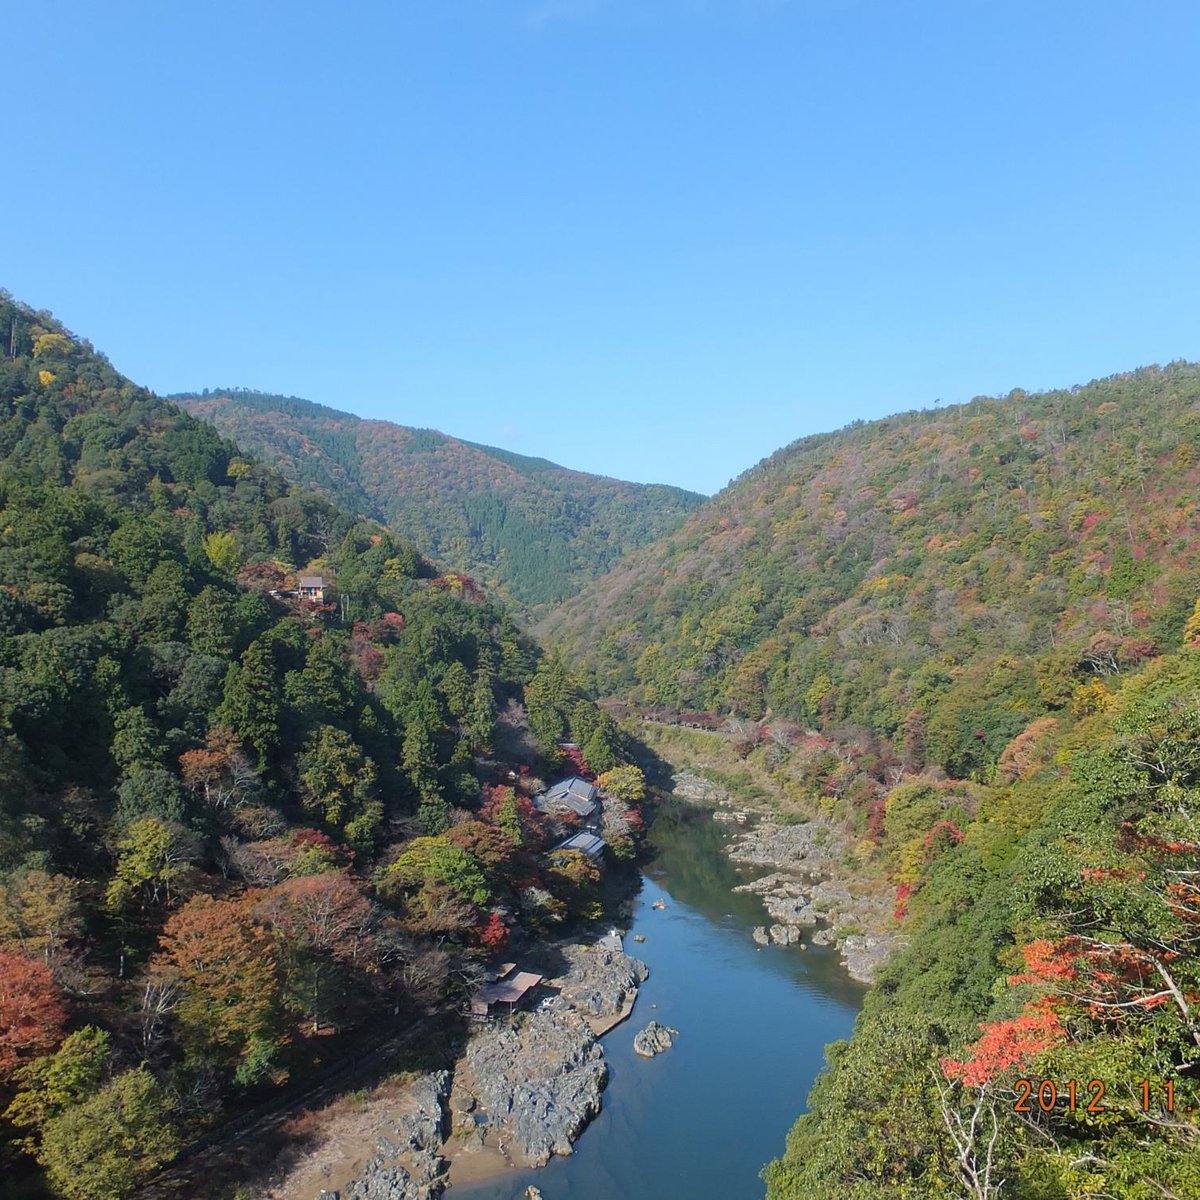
(32, 1016)
(1004, 1045)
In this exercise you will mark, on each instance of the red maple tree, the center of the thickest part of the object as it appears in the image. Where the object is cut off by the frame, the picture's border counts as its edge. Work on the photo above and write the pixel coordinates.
(1006, 1045)
(32, 1016)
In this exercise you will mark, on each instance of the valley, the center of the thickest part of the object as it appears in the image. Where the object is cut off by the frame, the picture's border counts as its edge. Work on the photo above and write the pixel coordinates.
(912, 704)
(527, 529)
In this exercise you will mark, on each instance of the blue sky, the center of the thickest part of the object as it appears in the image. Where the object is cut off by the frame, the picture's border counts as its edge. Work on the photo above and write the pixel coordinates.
(651, 238)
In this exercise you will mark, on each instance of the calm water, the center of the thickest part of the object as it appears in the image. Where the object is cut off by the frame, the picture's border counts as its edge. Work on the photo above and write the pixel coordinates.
(699, 1122)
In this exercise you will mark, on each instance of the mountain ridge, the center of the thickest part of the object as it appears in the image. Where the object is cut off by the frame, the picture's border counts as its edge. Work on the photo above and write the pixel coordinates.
(524, 525)
(841, 529)
(970, 640)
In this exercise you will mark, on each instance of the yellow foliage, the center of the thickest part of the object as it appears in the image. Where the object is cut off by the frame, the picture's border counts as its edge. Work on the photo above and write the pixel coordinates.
(910, 861)
(51, 343)
(1090, 698)
(45, 378)
(1191, 631)
(864, 849)
(222, 551)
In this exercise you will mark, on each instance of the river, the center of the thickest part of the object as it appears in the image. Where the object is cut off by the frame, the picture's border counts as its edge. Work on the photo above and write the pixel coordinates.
(699, 1121)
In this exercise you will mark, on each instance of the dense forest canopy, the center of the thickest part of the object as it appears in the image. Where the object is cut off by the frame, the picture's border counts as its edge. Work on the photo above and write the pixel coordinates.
(532, 530)
(970, 637)
(236, 819)
(914, 571)
(1039, 1035)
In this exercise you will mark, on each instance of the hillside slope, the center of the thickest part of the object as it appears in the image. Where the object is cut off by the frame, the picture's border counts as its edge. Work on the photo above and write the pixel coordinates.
(972, 639)
(919, 562)
(1037, 1037)
(532, 529)
(242, 829)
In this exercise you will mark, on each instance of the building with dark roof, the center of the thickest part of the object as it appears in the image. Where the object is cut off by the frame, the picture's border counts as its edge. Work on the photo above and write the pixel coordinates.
(510, 990)
(569, 795)
(583, 843)
(312, 587)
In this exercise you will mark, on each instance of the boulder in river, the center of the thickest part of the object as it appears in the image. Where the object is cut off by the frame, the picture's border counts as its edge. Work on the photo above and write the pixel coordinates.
(654, 1039)
(759, 934)
(784, 935)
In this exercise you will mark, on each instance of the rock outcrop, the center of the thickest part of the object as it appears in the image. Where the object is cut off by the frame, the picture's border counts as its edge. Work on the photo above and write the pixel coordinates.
(654, 1039)
(406, 1165)
(695, 789)
(536, 1084)
(805, 893)
(599, 981)
(865, 953)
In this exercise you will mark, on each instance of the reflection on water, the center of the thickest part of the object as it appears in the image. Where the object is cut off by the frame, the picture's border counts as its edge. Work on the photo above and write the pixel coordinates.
(698, 1122)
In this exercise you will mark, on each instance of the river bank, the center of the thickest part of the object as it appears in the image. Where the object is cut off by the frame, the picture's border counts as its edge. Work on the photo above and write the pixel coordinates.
(696, 1122)
(810, 893)
(522, 1091)
(699, 1120)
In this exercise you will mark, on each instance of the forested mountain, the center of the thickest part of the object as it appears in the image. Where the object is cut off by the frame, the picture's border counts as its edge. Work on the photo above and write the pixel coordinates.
(920, 566)
(1039, 1036)
(972, 638)
(235, 818)
(524, 526)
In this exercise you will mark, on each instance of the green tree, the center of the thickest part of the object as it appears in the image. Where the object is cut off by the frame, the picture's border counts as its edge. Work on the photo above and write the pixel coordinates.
(457, 689)
(602, 750)
(164, 602)
(339, 782)
(547, 698)
(439, 860)
(508, 818)
(481, 714)
(419, 760)
(136, 739)
(626, 783)
(324, 690)
(252, 701)
(153, 866)
(106, 1146)
(148, 790)
(51, 1084)
(433, 813)
(212, 622)
(221, 549)
(136, 546)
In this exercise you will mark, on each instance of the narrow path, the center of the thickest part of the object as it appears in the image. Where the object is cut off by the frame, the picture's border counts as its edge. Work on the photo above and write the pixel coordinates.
(204, 1164)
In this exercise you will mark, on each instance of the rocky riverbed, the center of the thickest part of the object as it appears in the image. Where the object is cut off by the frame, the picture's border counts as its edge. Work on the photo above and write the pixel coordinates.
(806, 892)
(529, 1087)
(406, 1164)
(523, 1090)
